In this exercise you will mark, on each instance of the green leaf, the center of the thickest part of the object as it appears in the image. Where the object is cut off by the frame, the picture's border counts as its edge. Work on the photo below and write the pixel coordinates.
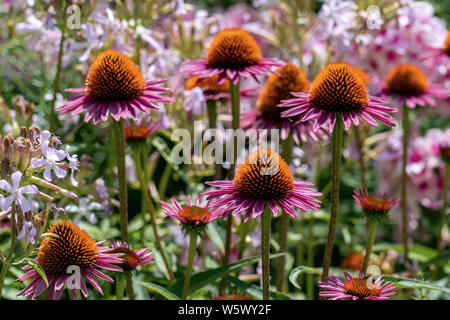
(408, 283)
(318, 271)
(255, 292)
(215, 236)
(416, 251)
(159, 290)
(400, 282)
(36, 266)
(199, 280)
(299, 270)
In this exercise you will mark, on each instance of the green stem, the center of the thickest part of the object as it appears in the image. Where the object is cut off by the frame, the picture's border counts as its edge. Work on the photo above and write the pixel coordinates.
(146, 194)
(120, 285)
(235, 113)
(130, 290)
(405, 122)
(444, 209)
(164, 181)
(212, 118)
(370, 241)
(265, 251)
(120, 149)
(310, 243)
(336, 145)
(52, 120)
(191, 255)
(9, 257)
(300, 253)
(362, 165)
(287, 146)
(137, 10)
(310, 260)
(212, 113)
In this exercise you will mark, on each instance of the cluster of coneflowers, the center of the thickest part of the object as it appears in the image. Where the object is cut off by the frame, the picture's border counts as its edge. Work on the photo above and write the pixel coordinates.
(263, 186)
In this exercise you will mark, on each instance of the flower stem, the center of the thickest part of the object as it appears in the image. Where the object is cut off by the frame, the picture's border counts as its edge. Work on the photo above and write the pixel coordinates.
(146, 194)
(310, 243)
(52, 120)
(336, 145)
(288, 145)
(120, 285)
(191, 255)
(212, 118)
(362, 165)
(120, 149)
(444, 209)
(370, 240)
(235, 113)
(310, 259)
(265, 251)
(9, 257)
(405, 122)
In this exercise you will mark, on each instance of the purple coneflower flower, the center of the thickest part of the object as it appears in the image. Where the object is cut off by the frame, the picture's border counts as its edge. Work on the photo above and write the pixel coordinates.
(141, 129)
(65, 250)
(407, 84)
(360, 288)
(438, 56)
(264, 177)
(267, 115)
(373, 205)
(337, 90)
(131, 258)
(114, 85)
(233, 53)
(194, 214)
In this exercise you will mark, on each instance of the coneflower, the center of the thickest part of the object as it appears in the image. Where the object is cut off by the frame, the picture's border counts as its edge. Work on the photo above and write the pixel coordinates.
(337, 98)
(338, 91)
(375, 207)
(232, 54)
(140, 130)
(115, 87)
(353, 261)
(131, 259)
(407, 85)
(262, 185)
(433, 57)
(359, 288)
(136, 134)
(194, 218)
(288, 78)
(67, 246)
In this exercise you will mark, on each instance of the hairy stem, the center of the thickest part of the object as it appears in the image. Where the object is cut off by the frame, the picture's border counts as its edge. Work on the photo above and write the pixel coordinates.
(362, 164)
(287, 145)
(310, 260)
(146, 194)
(265, 251)
(405, 122)
(120, 149)
(235, 112)
(191, 255)
(212, 118)
(336, 145)
(370, 241)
